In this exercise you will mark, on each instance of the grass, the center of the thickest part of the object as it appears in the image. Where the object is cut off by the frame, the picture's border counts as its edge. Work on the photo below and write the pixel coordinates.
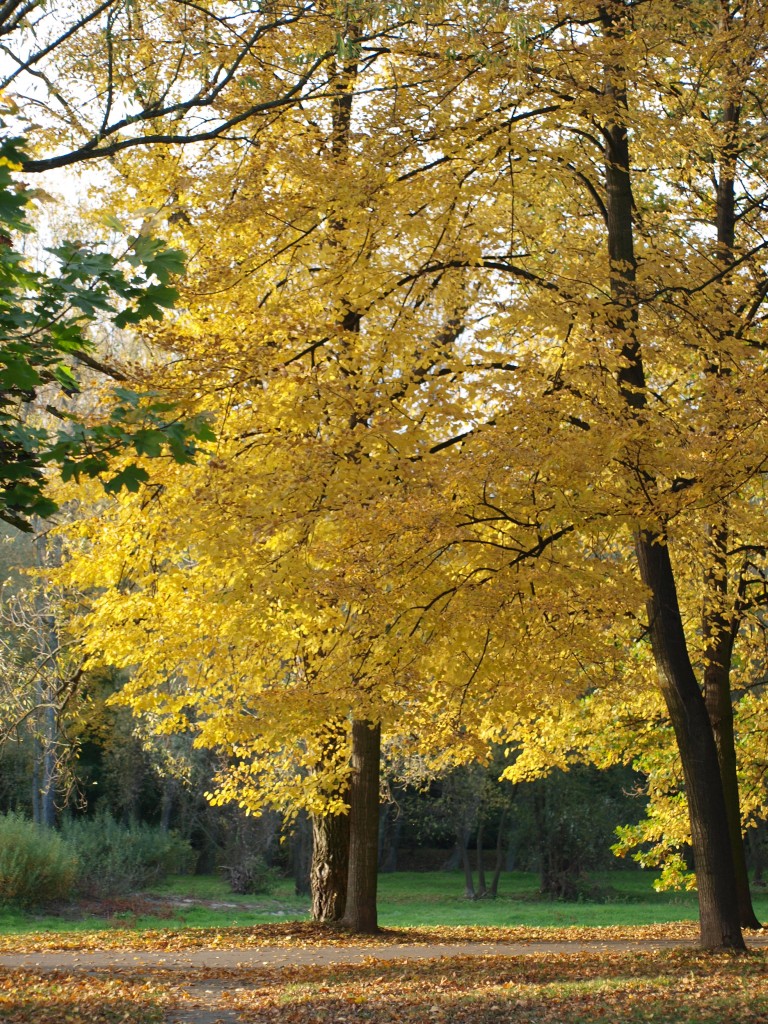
(406, 900)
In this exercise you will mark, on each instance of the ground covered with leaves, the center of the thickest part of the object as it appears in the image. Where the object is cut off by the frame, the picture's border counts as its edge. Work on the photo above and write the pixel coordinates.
(570, 984)
(684, 986)
(295, 934)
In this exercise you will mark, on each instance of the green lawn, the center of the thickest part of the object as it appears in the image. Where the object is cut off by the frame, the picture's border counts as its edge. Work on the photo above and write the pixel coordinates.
(626, 898)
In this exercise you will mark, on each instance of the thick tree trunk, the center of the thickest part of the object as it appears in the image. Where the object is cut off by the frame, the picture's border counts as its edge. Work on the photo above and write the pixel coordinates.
(330, 866)
(713, 860)
(718, 909)
(360, 915)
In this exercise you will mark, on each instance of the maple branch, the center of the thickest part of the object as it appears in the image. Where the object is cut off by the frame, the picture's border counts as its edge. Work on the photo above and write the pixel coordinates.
(447, 158)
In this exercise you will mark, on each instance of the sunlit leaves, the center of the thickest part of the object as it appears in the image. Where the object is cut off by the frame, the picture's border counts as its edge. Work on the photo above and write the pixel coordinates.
(423, 497)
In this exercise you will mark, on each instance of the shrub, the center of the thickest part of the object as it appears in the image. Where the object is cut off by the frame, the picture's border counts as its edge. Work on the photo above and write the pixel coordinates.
(115, 859)
(36, 865)
(250, 874)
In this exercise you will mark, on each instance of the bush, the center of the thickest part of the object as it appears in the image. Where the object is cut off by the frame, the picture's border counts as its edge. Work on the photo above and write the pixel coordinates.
(116, 859)
(36, 865)
(250, 875)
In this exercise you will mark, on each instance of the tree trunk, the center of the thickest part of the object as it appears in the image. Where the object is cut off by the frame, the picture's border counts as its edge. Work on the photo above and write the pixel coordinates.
(718, 909)
(390, 827)
(48, 683)
(713, 861)
(330, 866)
(360, 915)
(493, 892)
(167, 802)
(300, 858)
(719, 635)
(719, 628)
(469, 881)
(757, 852)
(482, 888)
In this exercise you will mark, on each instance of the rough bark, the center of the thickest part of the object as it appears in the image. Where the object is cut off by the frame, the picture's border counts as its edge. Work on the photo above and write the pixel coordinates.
(360, 916)
(330, 866)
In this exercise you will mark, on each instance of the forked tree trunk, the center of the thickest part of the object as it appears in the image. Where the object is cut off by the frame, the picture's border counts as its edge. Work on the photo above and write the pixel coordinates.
(360, 915)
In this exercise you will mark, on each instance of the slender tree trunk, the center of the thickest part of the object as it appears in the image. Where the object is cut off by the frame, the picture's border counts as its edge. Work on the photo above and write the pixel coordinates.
(494, 889)
(719, 628)
(390, 827)
(330, 866)
(482, 888)
(757, 852)
(47, 685)
(717, 693)
(167, 802)
(718, 909)
(360, 915)
(469, 881)
(301, 854)
(719, 634)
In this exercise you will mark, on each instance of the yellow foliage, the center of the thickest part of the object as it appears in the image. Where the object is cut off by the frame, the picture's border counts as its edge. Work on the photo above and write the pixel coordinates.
(421, 505)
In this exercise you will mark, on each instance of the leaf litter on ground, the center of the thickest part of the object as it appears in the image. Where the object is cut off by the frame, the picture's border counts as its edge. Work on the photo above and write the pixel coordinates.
(589, 987)
(294, 934)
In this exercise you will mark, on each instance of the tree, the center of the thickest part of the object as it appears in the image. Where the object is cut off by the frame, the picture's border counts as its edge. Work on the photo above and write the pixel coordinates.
(470, 431)
(297, 403)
